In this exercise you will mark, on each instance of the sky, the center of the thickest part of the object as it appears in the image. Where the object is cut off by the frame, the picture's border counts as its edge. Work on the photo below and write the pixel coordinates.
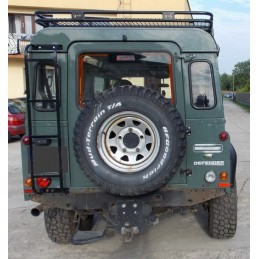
(231, 29)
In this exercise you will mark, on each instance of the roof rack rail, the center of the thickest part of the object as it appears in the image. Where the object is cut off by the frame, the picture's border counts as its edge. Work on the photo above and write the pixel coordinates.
(109, 18)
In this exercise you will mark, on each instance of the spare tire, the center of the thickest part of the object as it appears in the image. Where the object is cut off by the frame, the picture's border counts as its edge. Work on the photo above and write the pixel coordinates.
(130, 140)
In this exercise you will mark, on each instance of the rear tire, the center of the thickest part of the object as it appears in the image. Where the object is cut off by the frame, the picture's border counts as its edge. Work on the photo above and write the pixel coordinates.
(223, 215)
(60, 225)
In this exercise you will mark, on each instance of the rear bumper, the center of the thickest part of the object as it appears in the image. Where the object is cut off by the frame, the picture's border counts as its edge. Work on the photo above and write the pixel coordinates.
(104, 201)
(16, 130)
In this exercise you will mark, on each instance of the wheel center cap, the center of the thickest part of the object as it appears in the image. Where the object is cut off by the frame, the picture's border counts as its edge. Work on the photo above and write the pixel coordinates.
(131, 140)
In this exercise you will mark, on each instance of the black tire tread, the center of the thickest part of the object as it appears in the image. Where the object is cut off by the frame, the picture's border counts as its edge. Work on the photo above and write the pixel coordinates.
(223, 216)
(60, 225)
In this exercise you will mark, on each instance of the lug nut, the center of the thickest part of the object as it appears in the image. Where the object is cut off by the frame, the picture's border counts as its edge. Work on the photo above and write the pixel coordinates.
(137, 149)
(124, 150)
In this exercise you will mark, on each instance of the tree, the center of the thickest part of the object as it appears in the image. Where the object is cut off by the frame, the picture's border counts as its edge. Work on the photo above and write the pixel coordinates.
(241, 74)
(225, 81)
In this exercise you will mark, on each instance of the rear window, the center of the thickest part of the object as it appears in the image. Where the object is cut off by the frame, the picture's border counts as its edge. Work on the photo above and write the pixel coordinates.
(202, 90)
(13, 109)
(99, 72)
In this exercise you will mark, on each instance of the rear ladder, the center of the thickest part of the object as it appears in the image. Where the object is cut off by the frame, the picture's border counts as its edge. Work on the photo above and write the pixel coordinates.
(30, 101)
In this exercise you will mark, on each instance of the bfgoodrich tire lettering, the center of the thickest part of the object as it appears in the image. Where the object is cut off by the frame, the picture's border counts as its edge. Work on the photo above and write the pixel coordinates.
(130, 140)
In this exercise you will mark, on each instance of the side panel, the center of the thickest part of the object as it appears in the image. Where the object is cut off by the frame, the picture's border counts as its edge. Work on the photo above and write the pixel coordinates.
(205, 151)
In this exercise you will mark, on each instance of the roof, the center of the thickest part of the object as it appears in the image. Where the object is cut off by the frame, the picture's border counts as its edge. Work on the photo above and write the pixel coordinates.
(96, 18)
(180, 27)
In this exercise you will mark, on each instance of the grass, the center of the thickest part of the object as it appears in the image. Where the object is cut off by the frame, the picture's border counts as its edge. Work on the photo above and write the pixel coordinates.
(243, 106)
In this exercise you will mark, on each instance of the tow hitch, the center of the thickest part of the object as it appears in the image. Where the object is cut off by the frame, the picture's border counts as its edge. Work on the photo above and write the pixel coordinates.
(127, 217)
(131, 217)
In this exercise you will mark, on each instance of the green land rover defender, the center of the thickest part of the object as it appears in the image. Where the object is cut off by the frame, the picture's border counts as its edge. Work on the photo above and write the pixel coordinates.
(124, 121)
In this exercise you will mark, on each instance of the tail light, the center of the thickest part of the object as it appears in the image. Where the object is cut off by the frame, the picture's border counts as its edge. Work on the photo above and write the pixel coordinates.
(14, 121)
(43, 182)
(26, 140)
(223, 136)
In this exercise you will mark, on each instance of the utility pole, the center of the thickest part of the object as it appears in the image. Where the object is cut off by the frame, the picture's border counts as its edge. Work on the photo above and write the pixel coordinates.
(233, 85)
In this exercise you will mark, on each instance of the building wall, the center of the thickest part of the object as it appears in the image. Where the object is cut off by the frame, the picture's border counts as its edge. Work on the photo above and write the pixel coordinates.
(16, 78)
(16, 63)
(29, 6)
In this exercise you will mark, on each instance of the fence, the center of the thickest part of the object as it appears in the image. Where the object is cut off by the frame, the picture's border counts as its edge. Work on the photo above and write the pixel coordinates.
(243, 98)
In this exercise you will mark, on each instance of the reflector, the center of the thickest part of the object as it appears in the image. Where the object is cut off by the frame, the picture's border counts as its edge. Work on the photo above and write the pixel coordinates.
(224, 185)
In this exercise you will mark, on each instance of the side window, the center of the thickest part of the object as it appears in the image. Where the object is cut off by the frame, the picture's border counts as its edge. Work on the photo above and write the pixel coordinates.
(202, 90)
(45, 88)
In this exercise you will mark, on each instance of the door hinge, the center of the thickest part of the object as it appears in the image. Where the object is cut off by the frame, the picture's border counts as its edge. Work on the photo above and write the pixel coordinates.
(186, 58)
(187, 171)
(188, 131)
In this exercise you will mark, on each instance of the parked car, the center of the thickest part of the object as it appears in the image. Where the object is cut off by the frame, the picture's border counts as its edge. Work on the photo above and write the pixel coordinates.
(16, 118)
(20, 102)
(228, 95)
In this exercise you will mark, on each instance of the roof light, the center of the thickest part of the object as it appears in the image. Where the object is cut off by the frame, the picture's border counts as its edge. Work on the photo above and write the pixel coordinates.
(125, 58)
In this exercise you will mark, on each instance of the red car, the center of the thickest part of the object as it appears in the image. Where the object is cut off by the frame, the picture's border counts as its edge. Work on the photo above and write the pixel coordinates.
(16, 118)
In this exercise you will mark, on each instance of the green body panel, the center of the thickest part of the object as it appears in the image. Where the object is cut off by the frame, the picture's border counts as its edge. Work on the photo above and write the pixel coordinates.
(205, 131)
(188, 40)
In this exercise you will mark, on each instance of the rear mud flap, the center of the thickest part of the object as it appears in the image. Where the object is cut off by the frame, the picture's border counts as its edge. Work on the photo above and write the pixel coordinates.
(97, 233)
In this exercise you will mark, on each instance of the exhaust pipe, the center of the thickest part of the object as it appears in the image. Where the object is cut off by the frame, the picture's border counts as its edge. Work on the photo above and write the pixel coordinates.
(37, 210)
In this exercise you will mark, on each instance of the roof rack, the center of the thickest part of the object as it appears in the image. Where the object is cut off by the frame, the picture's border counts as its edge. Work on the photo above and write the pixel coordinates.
(98, 18)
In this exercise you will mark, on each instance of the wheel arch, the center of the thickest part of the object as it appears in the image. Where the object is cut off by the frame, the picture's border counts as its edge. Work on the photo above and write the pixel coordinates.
(233, 165)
